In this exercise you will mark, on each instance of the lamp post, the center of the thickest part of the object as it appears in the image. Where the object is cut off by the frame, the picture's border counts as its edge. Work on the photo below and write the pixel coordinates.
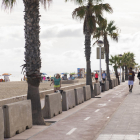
(100, 44)
(120, 55)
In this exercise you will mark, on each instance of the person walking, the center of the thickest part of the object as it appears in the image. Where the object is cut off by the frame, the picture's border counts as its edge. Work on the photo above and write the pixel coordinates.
(138, 77)
(131, 79)
(57, 82)
(96, 77)
(103, 76)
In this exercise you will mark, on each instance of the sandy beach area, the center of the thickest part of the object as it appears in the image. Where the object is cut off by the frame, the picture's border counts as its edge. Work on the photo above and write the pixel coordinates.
(11, 89)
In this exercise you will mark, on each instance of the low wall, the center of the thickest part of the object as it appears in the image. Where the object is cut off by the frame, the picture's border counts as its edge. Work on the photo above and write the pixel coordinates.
(68, 99)
(97, 89)
(87, 92)
(106, 85)
(12, 100)
(69, 81)
(53, 105)
(17, 118)
(42, 94)
(79, 95)
(1, 125)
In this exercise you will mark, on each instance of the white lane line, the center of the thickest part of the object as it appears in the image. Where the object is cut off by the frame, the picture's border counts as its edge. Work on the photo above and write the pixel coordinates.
(97, 110)
(87, 118)
(109, 100)
(71, 131)
(107, 117)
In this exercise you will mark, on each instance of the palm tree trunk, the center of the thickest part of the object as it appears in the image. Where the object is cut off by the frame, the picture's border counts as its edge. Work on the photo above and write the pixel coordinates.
(106, 45)
(32, 57)
(126, 73)
(123, 74)
(88, 65)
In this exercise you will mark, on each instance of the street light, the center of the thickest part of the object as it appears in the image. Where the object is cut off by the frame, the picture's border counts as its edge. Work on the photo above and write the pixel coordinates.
(120, 55)
(100, 44)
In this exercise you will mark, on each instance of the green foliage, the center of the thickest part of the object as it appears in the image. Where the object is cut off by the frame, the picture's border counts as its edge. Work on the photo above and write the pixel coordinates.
(91, 14)
(8, 4)
(106, 29)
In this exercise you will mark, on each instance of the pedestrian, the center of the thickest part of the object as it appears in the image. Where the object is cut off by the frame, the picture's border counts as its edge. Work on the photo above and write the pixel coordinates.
(131, 79)
(103, 76)
(57, 82)
(96, 77)
(138, 77)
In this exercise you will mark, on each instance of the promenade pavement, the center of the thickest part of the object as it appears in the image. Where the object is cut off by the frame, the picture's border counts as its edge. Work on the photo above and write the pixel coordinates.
(125, 123)
(114, 116)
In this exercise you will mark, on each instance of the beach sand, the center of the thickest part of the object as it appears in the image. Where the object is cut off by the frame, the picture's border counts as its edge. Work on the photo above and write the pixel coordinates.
(11, 89)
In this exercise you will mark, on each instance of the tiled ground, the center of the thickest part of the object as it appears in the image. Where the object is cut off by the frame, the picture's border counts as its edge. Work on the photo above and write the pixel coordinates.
(125, 123)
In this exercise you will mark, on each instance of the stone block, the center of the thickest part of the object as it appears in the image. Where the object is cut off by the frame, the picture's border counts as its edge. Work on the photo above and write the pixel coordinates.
(53, 105)
(106, 85)
(97, 90)
(116, 81)
(68, 99)
(79, 95)
(87, 92)
(1, 125)
(112, 82)
(17, 118)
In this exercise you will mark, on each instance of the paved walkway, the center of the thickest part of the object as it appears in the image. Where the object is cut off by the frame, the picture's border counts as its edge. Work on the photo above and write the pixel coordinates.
(125, 123)
(114, 116)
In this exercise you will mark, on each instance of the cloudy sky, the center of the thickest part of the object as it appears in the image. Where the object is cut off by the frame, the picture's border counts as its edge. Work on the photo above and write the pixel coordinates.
(62, 39)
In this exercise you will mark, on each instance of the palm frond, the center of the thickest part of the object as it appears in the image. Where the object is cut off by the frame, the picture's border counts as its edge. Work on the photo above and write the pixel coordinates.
(45, 2)
(77, 1)
(106, 7)
(79, 13)
(8, 4)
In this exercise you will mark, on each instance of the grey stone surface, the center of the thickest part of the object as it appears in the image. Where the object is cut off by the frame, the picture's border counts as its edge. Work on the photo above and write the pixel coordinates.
(68, 99)
(87, 92)
(1, 125)
(106, 85)
(97, 89)
(79, 95)
(17, 118)
(53, 105)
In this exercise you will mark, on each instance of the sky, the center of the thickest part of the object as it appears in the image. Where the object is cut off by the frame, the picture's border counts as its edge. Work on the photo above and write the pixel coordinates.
(62, 38)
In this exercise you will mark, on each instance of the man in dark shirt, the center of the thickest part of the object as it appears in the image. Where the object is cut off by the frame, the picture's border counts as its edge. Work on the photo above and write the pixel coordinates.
(138, 77)
(131, 78)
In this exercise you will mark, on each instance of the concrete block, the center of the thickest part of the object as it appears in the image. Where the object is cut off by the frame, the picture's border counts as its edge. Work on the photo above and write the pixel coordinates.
(116, 81)
(112, 81)
(1, 125)
(97, 89)
(79, 95)
(87, 92)
(17, 118)
(68, 99)
(53, 105)
(106, 85)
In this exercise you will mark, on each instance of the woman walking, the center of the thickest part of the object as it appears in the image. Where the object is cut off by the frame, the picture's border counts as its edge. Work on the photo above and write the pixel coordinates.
(57, 82)
(96, 77)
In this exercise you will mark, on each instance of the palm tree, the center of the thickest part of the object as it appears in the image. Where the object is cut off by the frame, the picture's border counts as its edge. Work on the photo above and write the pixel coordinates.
(32, 53)
(115, 61)
(104, 30)
(91, 13)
